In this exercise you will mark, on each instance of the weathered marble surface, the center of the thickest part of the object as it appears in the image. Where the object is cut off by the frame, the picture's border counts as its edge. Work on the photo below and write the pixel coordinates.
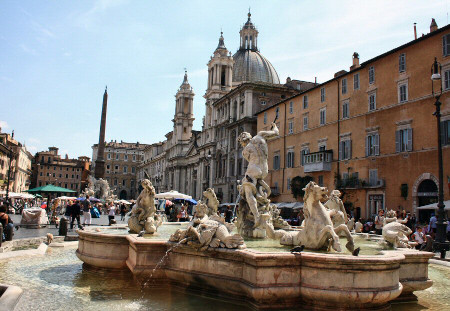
(9, 296)
(318, 230)
(100, 189)
(395, 233)
(269, 280)
(143, 214)
(254, 209)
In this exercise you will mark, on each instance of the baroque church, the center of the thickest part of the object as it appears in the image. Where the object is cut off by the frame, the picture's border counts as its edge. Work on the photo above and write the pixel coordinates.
(239, 86)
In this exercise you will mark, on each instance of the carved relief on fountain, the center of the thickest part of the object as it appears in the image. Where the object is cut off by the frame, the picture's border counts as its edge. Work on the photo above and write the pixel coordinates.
(143, 214)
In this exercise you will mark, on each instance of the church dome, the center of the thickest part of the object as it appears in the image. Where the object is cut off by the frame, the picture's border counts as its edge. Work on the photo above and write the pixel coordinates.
(252, 66)
(249, 64)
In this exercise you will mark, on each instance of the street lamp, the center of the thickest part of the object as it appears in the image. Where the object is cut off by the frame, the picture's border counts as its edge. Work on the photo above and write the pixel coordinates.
(440, 243)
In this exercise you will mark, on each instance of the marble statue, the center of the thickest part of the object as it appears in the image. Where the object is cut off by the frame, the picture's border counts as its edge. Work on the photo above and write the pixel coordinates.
(319, 231)
(337, 209)
(143, 214)
(254, 191)
(99, 188)
(395, 234)
(351, 224)
(211, 201)
(358, 227)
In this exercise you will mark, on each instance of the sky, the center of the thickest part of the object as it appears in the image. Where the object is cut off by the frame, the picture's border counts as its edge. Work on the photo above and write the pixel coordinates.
(56, 57)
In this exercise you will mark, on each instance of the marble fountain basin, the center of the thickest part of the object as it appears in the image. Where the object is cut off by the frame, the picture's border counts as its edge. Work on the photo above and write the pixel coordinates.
(267, 277)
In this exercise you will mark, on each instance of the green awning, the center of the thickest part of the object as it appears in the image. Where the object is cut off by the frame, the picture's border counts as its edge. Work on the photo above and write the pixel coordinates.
(50, 189)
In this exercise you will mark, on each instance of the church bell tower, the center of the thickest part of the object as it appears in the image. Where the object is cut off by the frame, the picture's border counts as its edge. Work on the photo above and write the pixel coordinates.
(184, 112)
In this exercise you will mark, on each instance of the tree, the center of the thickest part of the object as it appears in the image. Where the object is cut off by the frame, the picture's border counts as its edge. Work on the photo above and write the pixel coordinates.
(297, 185)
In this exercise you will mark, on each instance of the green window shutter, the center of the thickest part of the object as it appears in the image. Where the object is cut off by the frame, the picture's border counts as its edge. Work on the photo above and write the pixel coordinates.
(367, 146)
(397, 141)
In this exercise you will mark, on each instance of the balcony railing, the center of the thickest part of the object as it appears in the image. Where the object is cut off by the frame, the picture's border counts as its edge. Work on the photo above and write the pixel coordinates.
(317, 161)
(356, 183)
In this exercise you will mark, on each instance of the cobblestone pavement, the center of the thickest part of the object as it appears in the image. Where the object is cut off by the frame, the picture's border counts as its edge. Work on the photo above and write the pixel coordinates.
(29, 233)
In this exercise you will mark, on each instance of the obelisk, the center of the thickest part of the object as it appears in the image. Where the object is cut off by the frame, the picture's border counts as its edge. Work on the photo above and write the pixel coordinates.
(100, 161)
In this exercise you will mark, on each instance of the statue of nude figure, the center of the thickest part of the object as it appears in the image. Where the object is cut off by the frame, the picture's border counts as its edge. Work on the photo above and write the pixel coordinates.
(255, 152)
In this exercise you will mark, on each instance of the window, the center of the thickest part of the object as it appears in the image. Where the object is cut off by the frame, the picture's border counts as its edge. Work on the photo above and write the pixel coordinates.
(304, 151)
(371, 75)
(290, 158)
(403, 140)
(115, 182)
(125, 157)
(276, 162)
(373, 177)
(447, 80)
(288, 186)
(134, 157)
(372, 144)
(402, 62)
(242, 108)
(277, 112)
(305, 123)
(133, 169)
(263, 103)
(67, 175)
(305, 101)
(344, 86)
(323, 116)
(124, 182)
(446, 45)
(356, 81)
(403, 93)
(265, 117)
(41, 174)
(445, 132)
(117, 156)
(291, 107)
(291, 126)
(345, 110)
(322, 148)
(109, 156)
(372, 101)
(125, 169)
(107, 167)
(345, 150)
(263, 94)
(322, 95)
(320, 180)
(116, 167)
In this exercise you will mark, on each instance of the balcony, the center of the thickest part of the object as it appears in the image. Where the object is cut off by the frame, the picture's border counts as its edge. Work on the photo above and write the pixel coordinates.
(317, 161)
(356, 183)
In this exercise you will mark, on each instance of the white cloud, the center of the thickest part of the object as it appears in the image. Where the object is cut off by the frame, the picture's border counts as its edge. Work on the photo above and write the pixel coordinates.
(4, 124)
(41, 29)
(88, 18)
(27, 50)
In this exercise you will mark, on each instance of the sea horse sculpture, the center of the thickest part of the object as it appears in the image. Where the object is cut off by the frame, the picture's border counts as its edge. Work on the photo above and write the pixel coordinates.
(395, 233)
(318, 232)
(143, 214)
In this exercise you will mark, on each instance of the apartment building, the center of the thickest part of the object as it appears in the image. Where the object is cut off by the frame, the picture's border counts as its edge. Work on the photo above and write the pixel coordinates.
(369, 131)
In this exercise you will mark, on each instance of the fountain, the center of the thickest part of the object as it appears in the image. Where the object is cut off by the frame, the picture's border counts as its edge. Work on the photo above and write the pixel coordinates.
(212, 256)
(100, 189)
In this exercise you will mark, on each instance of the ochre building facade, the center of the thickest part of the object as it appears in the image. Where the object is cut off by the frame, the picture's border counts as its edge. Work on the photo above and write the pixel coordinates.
(369, 131)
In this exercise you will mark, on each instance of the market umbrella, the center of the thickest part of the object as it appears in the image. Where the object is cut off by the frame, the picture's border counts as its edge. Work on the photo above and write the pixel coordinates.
(171, 195)
(192, 201)
(49, 189)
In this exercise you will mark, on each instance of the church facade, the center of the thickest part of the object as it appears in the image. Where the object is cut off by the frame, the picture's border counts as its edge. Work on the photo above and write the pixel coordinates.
(238, 87)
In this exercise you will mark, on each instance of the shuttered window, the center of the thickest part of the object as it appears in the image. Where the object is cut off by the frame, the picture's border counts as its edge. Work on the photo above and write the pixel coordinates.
(303, 152)
(403, 140)
(445, 132)
(345, 150)
(305, 101)
(356, 81)
(291, 127)
(265, 117)
(276, 162)
(402, 63)
(447, 80)
(344, 86)
(305, 122)
(403, 93)
(322, 94)
(372, 101)
(345, 110)
(372, 145)
(371, 75)
(291, 107)
(323, 116)
(290, 159)
(446, 45)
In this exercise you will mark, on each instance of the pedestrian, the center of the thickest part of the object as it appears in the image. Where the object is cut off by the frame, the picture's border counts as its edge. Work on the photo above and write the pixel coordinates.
(87, 211)
(7, 223)
(432, 226)
(229, 214)
(182, 215)
(111, 212)
(419, 237)
(75, 211)
(379, 219)
(123, 211)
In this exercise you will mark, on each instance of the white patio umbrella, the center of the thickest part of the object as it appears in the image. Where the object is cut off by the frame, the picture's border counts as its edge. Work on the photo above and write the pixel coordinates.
(171, 195)
(67, 198)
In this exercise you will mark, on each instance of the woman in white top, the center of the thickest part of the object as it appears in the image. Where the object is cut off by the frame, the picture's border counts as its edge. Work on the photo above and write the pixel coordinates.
(111, 212)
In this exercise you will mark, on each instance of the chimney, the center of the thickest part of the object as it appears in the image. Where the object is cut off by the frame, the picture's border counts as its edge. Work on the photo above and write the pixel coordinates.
(355, 61)
(67, 156)
(415, 32)
(315, 80)
(433, 26)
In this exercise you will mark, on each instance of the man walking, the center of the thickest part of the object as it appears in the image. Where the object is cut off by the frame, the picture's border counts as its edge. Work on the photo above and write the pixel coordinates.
(379, 222)
(87, 211)
(75, 211)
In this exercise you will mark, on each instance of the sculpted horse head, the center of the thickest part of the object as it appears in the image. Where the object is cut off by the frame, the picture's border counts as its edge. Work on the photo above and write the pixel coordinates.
(148, 187)
(314, 194)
